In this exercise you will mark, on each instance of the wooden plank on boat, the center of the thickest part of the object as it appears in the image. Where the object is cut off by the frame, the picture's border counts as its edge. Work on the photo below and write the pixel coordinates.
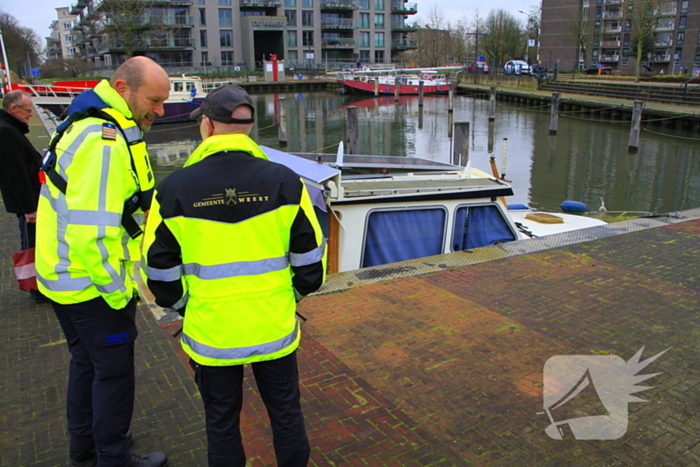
(544, 218)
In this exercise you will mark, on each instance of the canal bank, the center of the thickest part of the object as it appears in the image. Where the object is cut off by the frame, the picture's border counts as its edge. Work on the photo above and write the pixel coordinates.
(420, 367)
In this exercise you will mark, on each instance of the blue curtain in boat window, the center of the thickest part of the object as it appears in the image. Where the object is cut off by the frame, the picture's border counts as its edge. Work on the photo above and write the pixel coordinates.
(478, 226)
(401, 235)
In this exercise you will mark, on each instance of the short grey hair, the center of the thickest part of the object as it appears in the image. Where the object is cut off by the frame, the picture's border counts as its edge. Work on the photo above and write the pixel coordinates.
(12, 98)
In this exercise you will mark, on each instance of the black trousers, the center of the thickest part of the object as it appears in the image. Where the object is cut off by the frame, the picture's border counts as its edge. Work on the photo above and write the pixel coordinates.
(221, 388)
(101, 385)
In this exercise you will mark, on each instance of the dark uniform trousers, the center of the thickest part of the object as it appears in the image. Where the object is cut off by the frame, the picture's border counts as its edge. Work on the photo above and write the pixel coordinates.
(221, 388)
(101, 378)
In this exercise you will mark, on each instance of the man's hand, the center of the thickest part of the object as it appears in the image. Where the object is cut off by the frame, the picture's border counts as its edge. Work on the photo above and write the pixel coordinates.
(31, 217)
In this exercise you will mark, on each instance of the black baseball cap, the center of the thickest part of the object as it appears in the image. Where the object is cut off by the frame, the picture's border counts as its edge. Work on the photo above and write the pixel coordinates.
(222, 101)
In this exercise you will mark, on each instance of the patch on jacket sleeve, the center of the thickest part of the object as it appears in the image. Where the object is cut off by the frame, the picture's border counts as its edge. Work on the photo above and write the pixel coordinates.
(109, 131)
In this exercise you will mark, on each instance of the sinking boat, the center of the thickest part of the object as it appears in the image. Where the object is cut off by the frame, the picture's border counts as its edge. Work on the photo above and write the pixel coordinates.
(382, 209)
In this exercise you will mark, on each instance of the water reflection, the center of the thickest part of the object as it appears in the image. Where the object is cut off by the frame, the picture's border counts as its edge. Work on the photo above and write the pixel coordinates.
(586, 160)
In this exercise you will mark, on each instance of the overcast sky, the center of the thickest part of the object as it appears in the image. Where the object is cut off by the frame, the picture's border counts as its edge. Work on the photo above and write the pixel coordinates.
(38, 14)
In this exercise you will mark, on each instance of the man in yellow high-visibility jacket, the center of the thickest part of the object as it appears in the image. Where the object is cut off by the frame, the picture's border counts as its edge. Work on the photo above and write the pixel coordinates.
(233, 239)
(99, 178)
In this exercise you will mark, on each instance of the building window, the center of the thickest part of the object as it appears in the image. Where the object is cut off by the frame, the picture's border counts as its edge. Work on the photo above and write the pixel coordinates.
(626, 40)
(378, 56)
(225, 19)
(364, 39)
(307, 18)
(71, 50)
(293, 56)
(307, 3)
(201, 2)
(202, 17)
(291, 16)
(290, 2)
(67, 25)
(203, 39)
(307, 38)
(205, 59)
(682, 22)
(291, 38)
(364, 20)
(628, 25)
(680, 39)
(598, 12)
(364, 4)
(226, 58)
(379, 20)
(226, 38)
(379, 39)
(677, 56)
(69, 38)
(224, 2)
(378, 4)
(684, 7)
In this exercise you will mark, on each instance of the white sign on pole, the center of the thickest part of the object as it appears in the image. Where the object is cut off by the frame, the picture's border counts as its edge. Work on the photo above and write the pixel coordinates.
(531, 42)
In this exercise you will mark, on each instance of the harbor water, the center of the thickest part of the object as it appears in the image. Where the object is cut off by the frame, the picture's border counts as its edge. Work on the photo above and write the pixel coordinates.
(585, 161)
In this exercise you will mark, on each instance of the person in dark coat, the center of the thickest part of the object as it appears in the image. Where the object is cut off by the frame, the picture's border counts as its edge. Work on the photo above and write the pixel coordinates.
(19, 167)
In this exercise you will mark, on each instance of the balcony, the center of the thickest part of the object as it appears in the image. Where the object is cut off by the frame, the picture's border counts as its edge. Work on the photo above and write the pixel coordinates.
(671, 11)
(170, 20)
(661, 58)
(614, 2)
(612, 15)
(260, 3)
(610, 43)
(338, 43)
(112, 45)
(77, 8)
(405, 8)
(610, 58)
(52, 40)
(404, 44)
(339, 5)
(403, 26)
(612, 30)
(665, 26)
(338, 23)
(666, 43)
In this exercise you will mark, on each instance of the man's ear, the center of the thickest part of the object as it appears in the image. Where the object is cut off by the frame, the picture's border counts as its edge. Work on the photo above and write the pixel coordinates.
(121, 87)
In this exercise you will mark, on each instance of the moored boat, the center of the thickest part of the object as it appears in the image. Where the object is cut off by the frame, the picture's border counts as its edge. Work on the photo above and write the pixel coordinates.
(384, 82)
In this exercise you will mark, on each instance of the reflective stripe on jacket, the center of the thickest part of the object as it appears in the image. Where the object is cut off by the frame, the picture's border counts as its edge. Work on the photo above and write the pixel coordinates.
(83, 251)
(233, 235)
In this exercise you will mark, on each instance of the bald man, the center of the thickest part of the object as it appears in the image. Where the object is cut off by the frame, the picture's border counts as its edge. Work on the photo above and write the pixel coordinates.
(99, 184)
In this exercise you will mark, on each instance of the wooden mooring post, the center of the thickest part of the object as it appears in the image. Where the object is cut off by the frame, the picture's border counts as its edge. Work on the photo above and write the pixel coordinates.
(351, 129)
(636, 126)
(554, 117)
(397, 83)
(282, 129)
(492, 104)
(376, 86)
(460, 150)
(420, 93)
(451, 100)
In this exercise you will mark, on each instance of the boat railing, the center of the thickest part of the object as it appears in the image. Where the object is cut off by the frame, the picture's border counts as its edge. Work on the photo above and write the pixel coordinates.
(47, 90)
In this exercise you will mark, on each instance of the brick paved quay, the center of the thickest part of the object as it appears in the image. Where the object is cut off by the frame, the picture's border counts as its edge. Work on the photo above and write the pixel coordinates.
(441, 368)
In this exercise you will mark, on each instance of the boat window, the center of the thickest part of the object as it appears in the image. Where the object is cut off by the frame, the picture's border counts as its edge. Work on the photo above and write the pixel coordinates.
(477, 226)
(189, 86)
(393, 236)
(177, 86)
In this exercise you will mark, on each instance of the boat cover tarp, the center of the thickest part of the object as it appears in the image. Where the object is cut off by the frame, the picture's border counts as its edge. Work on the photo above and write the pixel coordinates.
(309, 170)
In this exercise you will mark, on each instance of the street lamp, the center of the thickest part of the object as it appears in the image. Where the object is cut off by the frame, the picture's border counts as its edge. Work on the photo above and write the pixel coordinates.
(476, 51)
(530, 20)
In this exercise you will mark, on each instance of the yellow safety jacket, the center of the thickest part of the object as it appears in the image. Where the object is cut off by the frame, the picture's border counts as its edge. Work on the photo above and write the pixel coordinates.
(82, 249)
(233, 236)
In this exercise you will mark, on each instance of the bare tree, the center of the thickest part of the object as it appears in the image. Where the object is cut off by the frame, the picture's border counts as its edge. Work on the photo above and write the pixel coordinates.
(581, 33)
(506, 39)
(21, 44)
(643, 15)
(133, 24)
(65, 67)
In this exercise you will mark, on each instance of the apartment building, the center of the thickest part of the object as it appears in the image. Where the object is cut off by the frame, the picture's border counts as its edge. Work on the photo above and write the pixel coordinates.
(244, 33)
(676, 35)
(60, 43)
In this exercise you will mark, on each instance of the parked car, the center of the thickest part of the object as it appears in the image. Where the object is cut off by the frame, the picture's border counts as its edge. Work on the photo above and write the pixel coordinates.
(598, 70)
(517, 67)
(483, 67)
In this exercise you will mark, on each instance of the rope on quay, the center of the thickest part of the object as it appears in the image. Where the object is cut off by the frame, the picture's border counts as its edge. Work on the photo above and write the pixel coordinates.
(662, 119)
(593, 120)
(669, 135)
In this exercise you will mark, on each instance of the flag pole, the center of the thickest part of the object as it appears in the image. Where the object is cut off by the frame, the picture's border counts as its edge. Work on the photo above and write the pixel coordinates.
(4, 59)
